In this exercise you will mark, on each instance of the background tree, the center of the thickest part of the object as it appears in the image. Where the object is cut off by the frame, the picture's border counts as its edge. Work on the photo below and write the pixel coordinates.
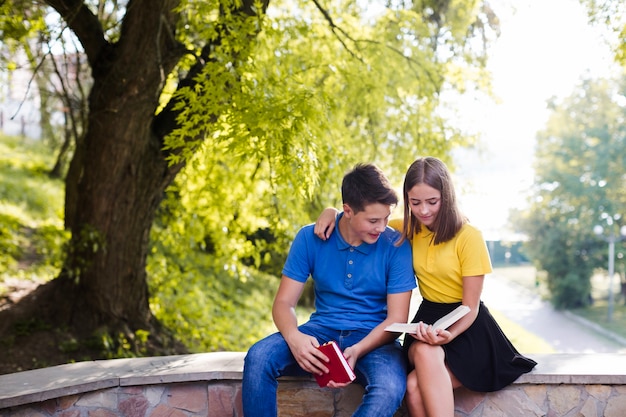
(612, 15)
(58, 82)
(238, 117)
(580, 170)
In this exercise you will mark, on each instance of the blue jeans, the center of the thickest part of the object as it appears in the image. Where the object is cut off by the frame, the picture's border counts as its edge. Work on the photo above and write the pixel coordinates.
(382, 372)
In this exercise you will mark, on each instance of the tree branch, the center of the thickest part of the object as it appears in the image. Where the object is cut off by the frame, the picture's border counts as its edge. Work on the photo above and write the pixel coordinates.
(334, 28)
(84, 24)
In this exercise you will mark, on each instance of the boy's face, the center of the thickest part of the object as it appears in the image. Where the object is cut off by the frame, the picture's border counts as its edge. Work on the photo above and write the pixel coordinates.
(367, 225)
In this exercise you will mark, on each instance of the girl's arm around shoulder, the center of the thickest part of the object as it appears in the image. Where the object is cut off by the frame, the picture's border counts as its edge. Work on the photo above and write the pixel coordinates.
(325, 223)
(396, 224)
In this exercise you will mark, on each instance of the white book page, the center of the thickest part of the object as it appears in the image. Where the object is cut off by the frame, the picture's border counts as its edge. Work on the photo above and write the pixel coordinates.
(402, 328)
(451, 318)
(344, 362)
(443, 323)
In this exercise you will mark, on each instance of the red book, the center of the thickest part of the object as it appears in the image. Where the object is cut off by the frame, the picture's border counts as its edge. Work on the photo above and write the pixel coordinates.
(339, 369)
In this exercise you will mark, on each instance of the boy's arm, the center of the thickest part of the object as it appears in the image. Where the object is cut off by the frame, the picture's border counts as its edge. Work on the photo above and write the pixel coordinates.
(397, 312)
(302, 346)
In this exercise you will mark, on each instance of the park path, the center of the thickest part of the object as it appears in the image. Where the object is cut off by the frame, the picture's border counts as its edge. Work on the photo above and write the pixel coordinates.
(564, 331)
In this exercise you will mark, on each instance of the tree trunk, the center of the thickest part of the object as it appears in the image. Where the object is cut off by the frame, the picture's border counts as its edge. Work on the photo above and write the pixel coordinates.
(123, 174)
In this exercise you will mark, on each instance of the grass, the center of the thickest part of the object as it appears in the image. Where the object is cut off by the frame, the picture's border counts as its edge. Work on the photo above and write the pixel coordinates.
(598, 313)
(31, 212)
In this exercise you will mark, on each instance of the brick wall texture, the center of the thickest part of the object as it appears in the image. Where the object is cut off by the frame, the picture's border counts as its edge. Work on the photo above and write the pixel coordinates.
(299, 398)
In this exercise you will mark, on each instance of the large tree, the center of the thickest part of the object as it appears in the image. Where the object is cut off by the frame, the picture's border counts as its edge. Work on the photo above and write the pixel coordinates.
(175, 79)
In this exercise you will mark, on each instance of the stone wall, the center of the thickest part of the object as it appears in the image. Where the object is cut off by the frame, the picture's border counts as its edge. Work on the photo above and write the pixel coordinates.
(567, 385)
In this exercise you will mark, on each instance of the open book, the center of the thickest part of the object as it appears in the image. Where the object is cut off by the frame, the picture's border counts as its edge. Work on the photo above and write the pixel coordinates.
(443, 323)
(339, 369)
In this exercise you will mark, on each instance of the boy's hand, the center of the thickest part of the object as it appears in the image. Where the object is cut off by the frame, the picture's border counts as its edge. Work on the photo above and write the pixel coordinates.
(304, 349)
(351, 356)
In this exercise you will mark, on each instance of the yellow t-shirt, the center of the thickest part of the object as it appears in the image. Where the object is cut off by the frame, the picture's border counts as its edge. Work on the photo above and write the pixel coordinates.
(440, 269)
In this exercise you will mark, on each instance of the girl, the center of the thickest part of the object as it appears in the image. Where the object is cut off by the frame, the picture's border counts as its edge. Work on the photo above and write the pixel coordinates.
(450, 259)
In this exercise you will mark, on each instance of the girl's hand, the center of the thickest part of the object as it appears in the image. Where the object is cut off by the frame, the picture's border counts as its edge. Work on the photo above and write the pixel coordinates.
(325, 223)
(427, 334)
(333, 384)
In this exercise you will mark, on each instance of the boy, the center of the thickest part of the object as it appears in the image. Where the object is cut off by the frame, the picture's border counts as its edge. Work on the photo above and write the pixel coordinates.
(363, 282)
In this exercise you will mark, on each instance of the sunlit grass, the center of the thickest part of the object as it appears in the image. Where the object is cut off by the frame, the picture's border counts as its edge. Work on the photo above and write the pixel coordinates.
(526, 342)
(31, 212)
(27, 193)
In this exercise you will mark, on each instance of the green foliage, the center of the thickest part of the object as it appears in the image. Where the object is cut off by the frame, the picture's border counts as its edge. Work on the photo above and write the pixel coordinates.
(317, 94)
(31, 206)
(610, 14)
(580, 169)
(121, 347)
(209, 303)
(14, 28)
(89, 241)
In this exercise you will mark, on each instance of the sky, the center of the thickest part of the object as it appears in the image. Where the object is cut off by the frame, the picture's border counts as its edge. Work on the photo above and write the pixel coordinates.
(545, 48)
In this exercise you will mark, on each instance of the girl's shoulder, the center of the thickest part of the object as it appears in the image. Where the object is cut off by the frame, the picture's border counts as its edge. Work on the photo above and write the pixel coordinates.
(469, 232)
(396, 223)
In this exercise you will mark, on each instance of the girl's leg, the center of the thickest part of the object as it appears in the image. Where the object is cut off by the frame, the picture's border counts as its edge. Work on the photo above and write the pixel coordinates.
(432, 385)
(413, 397)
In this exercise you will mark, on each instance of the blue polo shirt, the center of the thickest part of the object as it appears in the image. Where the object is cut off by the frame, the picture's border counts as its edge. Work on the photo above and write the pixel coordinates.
(351, 282)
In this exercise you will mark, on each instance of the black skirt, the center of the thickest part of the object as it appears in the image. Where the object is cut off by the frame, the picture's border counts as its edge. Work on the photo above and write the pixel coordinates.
(482, 358)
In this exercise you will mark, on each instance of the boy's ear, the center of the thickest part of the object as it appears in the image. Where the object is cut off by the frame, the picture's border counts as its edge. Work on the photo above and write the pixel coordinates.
(347, 211)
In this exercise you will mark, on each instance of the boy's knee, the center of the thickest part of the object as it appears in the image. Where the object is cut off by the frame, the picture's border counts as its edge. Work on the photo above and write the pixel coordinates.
(393, 389)
(253, 357)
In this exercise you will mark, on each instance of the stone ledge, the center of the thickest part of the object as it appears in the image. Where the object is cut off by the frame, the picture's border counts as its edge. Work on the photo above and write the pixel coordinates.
(82, 377)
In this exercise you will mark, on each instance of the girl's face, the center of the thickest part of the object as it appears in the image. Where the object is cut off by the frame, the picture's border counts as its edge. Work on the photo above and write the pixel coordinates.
(425, 202)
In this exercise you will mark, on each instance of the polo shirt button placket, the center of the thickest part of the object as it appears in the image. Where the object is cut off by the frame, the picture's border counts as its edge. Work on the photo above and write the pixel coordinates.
(349, 268)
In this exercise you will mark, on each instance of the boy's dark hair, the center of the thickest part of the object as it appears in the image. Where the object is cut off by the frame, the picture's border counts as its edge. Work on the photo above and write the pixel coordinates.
(366, 184)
